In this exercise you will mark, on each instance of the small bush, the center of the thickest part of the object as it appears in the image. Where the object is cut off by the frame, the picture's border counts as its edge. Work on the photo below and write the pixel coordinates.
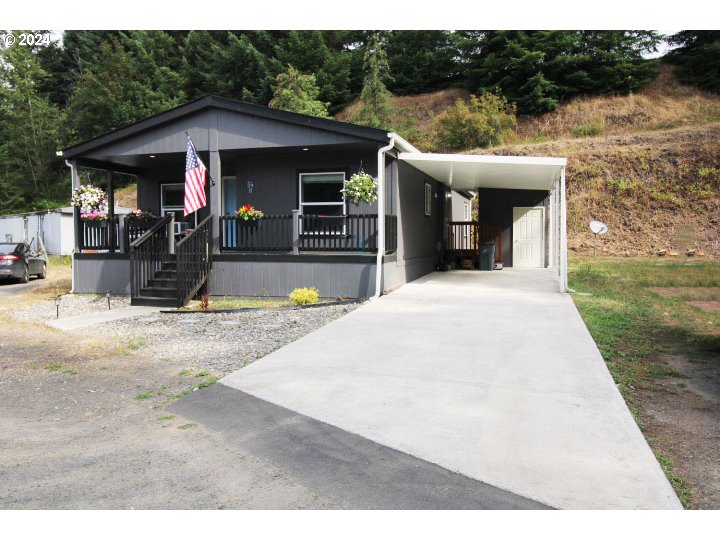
(484, 121)
(304, 296)
(593, 127)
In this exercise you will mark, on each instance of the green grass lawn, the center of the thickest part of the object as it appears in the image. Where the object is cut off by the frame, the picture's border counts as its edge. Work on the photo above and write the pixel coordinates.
(632, 321)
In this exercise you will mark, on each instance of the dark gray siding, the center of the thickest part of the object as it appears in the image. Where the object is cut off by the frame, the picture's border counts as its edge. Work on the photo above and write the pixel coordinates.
(274, 176)
(99, 275)
(495, 207)
(419, 236)
(234, 131)
(258, 278)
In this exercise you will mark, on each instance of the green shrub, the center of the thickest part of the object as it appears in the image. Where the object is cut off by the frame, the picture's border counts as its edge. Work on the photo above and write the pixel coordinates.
(484, 121)
(304, 296)
(593, 127)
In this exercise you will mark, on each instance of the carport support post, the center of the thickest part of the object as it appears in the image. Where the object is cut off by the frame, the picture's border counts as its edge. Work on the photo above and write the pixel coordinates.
(563, 234)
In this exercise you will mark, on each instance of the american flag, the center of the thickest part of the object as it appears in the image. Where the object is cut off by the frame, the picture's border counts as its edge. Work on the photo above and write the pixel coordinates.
(194, 180)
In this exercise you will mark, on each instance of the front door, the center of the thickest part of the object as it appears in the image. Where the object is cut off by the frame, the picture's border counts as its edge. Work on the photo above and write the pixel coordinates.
(528, 237)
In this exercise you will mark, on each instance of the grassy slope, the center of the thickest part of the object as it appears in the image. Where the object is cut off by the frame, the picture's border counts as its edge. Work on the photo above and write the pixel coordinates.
(633, 326)
(647, 164)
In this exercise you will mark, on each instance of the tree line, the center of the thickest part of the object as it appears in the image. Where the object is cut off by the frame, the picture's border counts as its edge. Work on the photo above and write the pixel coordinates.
(92, 82)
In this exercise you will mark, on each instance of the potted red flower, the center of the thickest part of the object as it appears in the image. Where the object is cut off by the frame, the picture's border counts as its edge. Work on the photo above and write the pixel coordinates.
(248, 213)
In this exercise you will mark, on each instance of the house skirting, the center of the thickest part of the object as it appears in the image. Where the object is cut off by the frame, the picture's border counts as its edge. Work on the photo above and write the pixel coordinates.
(249, 274)
(396, 273)
(96, 273)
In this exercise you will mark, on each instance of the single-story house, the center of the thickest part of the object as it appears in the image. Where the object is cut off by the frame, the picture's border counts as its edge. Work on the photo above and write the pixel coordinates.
(292, 167)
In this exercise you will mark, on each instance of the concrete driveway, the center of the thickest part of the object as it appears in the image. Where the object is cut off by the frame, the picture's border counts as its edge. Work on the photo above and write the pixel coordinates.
(492, 375)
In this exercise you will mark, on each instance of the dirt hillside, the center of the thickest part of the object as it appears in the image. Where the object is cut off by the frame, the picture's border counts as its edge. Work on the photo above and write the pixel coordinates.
(647, 164)
(656, 190)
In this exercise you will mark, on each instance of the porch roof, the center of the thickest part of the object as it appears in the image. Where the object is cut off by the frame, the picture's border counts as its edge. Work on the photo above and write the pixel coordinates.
(464, 171)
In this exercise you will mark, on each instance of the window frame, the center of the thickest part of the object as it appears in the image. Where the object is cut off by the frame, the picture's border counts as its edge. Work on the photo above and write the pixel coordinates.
(428, 199)
(342, 203)
(180, 226)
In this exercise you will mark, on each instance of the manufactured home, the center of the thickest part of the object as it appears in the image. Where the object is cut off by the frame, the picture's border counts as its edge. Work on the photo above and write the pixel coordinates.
(292, 167)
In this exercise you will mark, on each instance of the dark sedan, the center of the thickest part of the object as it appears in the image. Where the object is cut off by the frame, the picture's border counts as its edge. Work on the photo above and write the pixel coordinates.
(19, 261)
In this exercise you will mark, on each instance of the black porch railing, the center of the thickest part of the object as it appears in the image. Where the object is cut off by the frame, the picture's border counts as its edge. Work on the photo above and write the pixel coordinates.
(271, 233)
(95, 234)
(352, 232)
(192, 254)
(132, 230)
(148, 253)
(346, 233)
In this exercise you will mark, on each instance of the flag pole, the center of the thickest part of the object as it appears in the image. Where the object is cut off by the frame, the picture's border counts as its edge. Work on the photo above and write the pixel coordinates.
(207, 171)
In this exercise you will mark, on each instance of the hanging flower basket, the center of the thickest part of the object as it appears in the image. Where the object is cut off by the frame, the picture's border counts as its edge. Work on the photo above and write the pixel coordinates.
(92, 202)
(361, 187)
(140, 217)
(248, 213)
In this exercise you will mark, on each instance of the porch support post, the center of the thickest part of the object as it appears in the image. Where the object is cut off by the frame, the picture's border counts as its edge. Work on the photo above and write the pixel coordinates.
(563, 234)
(296, 232)
(111, 211)
(75, 182)
(215, 198)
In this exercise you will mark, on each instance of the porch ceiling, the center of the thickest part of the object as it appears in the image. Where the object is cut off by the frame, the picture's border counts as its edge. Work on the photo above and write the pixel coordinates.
(464, 171)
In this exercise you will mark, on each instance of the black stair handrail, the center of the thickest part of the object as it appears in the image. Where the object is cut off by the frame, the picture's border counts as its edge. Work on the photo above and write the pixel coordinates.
(148, 253)
(193, 261)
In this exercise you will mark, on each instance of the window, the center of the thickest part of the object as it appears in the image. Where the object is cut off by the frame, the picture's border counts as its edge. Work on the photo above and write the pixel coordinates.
(428, 199)
(467, 211)
(172, 200)
(321, 195)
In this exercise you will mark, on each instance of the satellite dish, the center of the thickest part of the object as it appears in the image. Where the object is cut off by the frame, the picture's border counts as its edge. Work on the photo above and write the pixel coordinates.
(598, 227)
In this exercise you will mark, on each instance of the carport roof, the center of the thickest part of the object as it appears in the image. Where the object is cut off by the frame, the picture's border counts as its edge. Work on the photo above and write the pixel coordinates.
(464, 171)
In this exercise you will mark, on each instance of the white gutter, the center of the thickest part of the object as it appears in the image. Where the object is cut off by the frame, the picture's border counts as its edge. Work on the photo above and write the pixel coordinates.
(75, 182)
(381, 215)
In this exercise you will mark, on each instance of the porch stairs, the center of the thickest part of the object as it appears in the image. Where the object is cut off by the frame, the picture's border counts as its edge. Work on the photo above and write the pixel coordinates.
(162, 289)
(165, 273)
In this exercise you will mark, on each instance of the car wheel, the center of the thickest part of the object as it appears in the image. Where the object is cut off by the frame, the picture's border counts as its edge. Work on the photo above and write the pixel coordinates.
(43, 274)
(25, 277)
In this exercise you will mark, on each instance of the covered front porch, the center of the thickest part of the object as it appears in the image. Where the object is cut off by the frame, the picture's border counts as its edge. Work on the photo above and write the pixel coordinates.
(290, 167)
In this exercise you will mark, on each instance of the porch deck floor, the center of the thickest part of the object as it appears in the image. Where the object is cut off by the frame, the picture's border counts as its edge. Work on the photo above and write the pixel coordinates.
(490, 374)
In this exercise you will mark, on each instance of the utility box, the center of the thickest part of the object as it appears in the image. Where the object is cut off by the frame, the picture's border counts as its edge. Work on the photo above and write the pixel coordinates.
(487, 255)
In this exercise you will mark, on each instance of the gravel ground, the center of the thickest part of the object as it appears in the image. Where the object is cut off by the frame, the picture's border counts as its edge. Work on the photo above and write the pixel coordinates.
(217, 342)
(70, 305)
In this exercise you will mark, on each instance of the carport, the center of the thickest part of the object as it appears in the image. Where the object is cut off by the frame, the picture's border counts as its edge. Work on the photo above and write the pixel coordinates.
(512, 190)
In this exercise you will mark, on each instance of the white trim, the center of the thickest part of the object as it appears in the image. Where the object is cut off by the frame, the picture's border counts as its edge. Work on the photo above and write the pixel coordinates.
(302, 204)
(472, 158)
(164, 208)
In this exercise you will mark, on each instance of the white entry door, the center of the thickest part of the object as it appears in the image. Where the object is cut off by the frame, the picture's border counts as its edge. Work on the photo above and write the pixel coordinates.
(528, 237)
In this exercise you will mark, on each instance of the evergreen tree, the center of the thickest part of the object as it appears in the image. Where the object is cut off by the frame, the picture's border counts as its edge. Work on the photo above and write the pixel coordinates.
(112, 92)
(298, 93)
(375, 106)
(225, 64)
(538, 69)
(29, 134)
(697, 58)
(422, 60)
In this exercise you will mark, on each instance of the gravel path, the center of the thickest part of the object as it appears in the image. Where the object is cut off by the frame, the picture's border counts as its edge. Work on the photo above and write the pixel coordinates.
(70, 305)
(217, 342)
